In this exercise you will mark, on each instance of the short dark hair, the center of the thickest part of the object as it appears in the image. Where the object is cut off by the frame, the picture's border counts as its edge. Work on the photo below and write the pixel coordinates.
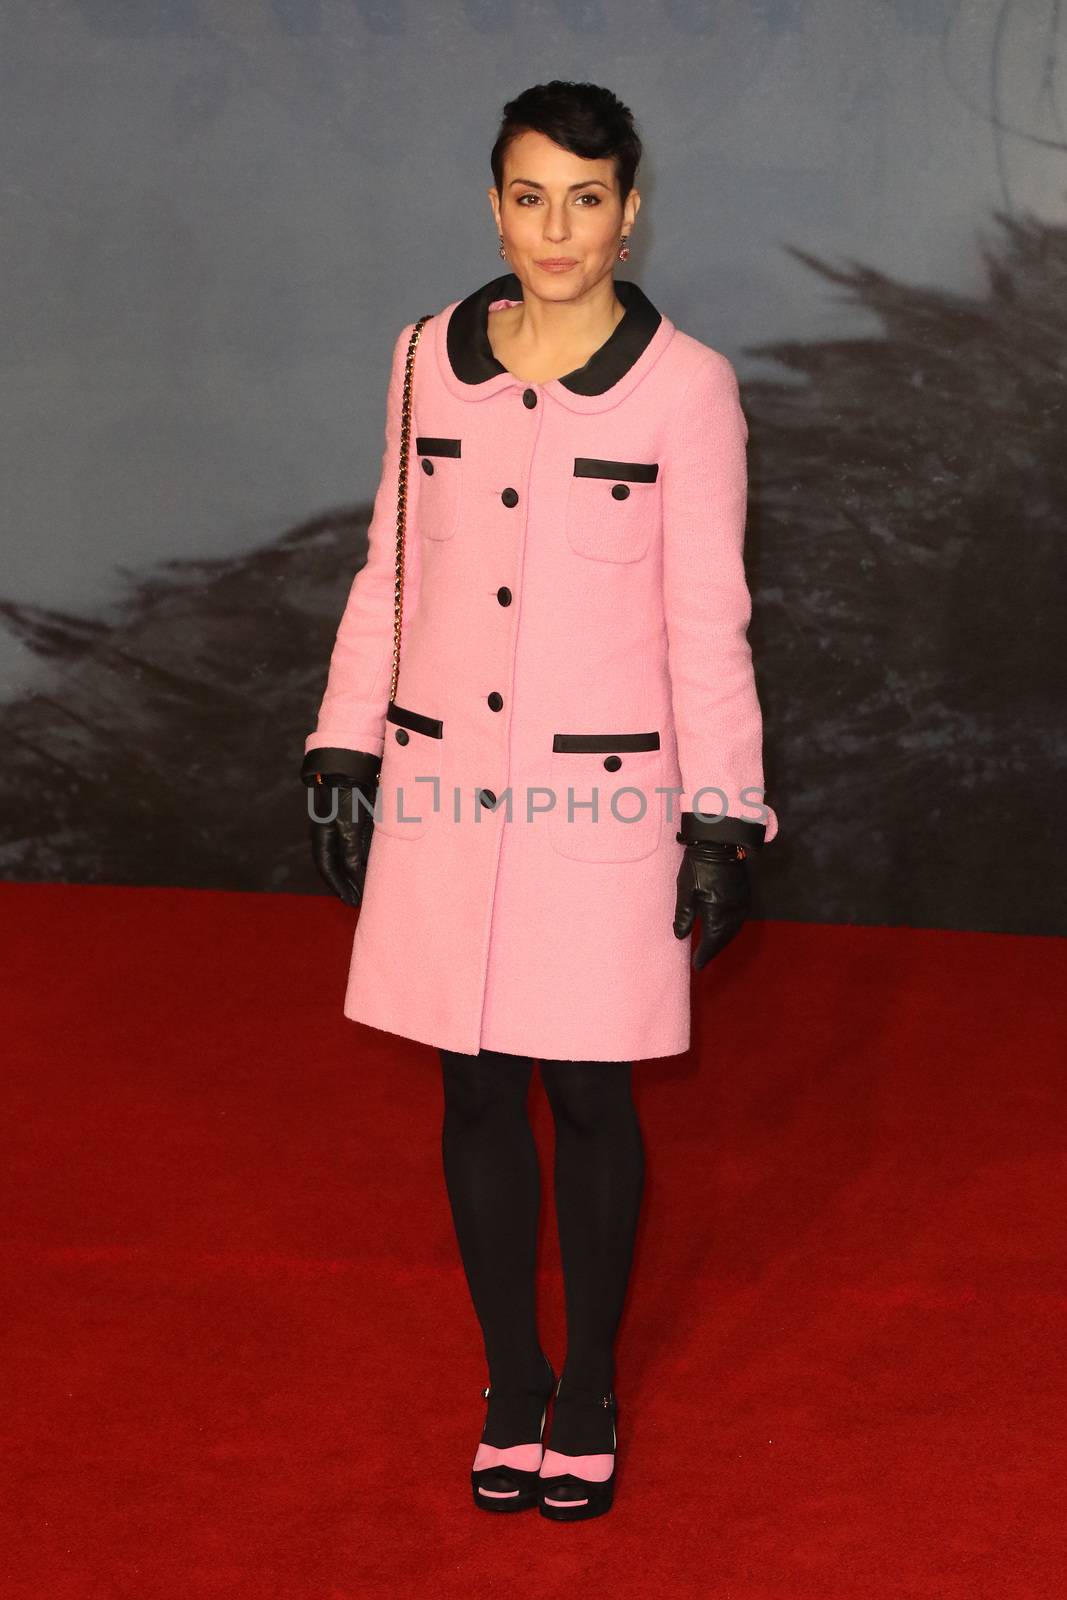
(583, 118)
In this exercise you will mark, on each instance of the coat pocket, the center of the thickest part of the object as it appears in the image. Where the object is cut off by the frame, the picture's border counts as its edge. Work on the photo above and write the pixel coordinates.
(613, 508)
(441, 463)
(409, 785)
(606, 805)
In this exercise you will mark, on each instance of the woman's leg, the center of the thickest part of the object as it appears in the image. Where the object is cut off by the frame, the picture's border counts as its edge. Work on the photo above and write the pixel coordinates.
(494, 1189)
(599, 1180)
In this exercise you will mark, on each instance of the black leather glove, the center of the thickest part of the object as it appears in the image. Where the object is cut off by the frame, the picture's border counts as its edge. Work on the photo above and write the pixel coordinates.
(340, 848)
(712, 885)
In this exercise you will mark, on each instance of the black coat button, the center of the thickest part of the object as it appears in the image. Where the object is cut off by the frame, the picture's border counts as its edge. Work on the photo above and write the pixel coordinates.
(427, 466)
(402, 736)
(529, 398)
(488, 798)
(496, 701)
(503, 594)
(613, 763)
(620, 491)
(510, 497)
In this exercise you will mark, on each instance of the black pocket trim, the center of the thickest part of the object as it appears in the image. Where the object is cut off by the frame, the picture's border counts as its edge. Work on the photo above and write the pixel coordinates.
(425, 446)
(601, 743)
(432, 727)
(631, 471)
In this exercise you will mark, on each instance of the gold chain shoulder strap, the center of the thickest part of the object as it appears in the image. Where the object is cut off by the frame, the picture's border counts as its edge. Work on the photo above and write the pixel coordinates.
(402, 499)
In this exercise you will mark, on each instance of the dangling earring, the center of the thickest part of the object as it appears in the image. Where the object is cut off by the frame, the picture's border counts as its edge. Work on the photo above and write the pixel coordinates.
(503, 252)
(624, 253)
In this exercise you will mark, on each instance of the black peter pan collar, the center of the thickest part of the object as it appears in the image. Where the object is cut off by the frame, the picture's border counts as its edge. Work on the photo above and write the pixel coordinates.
(471, 355)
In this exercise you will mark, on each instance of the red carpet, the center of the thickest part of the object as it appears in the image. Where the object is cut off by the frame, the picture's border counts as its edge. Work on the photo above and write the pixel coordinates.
(240, 1360)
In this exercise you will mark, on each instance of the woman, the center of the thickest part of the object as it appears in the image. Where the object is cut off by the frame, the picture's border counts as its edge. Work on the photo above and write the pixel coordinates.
(574, 663)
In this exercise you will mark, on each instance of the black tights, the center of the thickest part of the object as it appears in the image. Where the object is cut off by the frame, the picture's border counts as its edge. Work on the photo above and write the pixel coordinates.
(494, 1188)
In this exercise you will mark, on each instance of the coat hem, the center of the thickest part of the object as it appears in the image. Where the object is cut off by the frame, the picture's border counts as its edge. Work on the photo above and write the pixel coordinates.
(505, 1046)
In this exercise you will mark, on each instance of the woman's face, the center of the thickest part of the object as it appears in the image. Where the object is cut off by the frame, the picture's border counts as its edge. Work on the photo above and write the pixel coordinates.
(558, 205)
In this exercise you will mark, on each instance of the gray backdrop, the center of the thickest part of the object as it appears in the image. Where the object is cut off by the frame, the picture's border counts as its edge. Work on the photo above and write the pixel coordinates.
(216, 218)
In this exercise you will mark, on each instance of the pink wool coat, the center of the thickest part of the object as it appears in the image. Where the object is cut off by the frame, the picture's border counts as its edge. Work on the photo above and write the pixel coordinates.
(574, 631)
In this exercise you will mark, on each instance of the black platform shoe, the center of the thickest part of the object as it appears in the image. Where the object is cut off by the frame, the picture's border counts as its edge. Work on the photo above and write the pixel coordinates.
(573, 1487)
(505, 1477)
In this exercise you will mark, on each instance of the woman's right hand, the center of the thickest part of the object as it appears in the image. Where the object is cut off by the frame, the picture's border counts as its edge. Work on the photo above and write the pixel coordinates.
(340, 848)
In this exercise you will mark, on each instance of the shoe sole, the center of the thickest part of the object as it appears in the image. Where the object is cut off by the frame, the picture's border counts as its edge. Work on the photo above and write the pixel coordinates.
(485, 1503)
(575, 1513)
(524, 1497)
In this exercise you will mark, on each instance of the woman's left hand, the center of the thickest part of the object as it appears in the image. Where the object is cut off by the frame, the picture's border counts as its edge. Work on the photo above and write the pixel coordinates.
(712, 885)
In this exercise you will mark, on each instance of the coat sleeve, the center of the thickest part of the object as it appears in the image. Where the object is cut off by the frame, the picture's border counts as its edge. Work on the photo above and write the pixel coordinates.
(707, 606)
(351, 716)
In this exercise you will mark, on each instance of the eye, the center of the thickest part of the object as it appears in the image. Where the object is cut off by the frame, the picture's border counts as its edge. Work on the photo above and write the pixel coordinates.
(530, 195)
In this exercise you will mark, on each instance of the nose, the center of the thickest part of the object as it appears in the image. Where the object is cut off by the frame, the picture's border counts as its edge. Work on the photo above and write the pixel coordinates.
(556, 225)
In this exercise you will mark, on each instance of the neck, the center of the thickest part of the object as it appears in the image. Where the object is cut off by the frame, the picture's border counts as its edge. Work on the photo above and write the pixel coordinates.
(545, 327)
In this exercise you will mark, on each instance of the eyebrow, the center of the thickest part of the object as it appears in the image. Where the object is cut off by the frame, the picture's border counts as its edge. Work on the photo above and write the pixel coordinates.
(535, 185)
